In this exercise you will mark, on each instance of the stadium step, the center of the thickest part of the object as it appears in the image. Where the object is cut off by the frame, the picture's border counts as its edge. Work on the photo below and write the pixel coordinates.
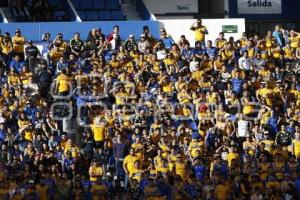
(133, 16)
(129, 9)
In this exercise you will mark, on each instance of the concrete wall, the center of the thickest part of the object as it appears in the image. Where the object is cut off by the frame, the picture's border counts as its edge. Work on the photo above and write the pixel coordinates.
(178, 27)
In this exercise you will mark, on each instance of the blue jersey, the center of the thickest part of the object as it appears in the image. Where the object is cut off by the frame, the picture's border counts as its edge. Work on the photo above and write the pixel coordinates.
(168, 42)
(211, 51)
(199, 171)
(237, 85)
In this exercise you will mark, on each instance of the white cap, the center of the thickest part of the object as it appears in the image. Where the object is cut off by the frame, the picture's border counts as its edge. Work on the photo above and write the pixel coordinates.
(131, 35)
(108, 174)
(226, 115)
(97, 120)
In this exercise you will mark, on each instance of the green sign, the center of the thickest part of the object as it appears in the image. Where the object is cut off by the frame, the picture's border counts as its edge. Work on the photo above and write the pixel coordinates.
(229, 28)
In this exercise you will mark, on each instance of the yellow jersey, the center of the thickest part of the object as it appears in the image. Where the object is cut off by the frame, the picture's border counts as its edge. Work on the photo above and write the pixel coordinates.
(220, 43)
(18, 44)
(222, 192)
(98, 191)
(294, 41)
(267, 94)
(6, 48)
(296, 148)
(96, 171)
(200, 33)
(42, 191)
(99, 132)
(64, 82)
(129, 162)
(230, 157)
(136, 174)
(180, 169)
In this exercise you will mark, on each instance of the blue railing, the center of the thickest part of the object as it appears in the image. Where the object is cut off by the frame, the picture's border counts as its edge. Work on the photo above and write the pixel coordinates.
(34, 31)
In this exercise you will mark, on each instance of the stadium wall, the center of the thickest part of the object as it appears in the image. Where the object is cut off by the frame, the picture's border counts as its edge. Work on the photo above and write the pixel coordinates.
(172, 6)
(34, 31)
(177, 27)
(289, 10)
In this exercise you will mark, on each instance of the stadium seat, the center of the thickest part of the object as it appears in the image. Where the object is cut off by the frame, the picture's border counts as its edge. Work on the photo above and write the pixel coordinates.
(112, 4)
(76, 4)
(86, 4)
(104, 15)
(92, 15)
(117, 15)
(99, 4)
(56, 4)
(58, 14)
(82, 15)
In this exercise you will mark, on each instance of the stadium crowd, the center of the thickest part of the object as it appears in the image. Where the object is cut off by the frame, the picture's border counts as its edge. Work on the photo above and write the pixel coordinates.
(146, 118)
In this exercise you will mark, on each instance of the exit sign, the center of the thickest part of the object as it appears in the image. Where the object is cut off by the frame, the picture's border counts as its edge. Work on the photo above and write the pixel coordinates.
(229, 28)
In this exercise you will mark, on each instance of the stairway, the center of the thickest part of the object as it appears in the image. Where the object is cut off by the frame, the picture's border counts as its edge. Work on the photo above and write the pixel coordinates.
(129, 9)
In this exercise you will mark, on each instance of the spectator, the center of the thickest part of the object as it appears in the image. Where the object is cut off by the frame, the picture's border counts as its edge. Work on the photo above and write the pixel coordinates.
(200, 32)
(166, 39)
(7, 48)
(277, 34)
(211, 50)
(143, 44)
(16, 63)
(32, 52)
(115, 31)
(220, 41)
(45, 79)
(47, 45)
(130, 43)
(18, 44)
(153, 120)
(120, 150)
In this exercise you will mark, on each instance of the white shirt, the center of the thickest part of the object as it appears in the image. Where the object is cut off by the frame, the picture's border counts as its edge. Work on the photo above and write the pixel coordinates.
(161, 54)
(143, 45)
(192, 66)
(243, 128)
(225, 76)
(258, 63)
(245, 63)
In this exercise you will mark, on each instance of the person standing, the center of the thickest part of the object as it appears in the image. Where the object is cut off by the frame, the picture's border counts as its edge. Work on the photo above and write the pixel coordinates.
(18, 44)
(128, 165)
(76, 45)
(115, 31)
(44, 79)
(120, 150)
(32, 53)
(277, 34)
(245, 62)
(200, 32)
